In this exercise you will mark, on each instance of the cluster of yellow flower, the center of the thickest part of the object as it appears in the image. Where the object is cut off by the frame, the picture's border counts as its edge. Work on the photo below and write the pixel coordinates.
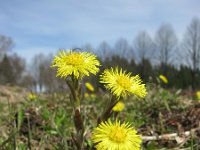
(32, 97)
(90, 91)
(107, 135)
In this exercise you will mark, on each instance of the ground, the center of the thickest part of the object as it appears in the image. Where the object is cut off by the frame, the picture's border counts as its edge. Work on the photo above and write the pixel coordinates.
(45, 122)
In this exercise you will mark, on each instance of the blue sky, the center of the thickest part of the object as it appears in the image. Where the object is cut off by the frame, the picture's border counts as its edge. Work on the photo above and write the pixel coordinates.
(47, 25)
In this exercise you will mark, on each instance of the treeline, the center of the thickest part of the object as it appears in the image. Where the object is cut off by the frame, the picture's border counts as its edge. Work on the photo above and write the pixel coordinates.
(180, 77)
(177, 59)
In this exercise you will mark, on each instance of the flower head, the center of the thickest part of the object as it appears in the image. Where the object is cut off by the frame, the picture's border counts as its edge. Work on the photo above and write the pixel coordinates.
(89, 86)
(118, 107)
(163, 78)
(122, 84)
(78, 64)
(198, 95)
(32, 96)
(86, 95)
(90, 96)
(93, 96)
(116, 136)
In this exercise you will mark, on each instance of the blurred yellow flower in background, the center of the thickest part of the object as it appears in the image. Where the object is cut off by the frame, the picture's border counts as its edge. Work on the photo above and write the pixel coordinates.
(86, 95)
(116, 136)
(32, 96)
(198, 95)
(93, 96)
(89, 86)
(119, 106)
(163, 79)
(78, 64)
(123, 84)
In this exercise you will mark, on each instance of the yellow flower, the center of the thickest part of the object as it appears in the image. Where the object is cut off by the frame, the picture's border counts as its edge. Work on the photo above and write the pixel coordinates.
(78, 64)
(89, 86)
(116, 136)
(163, 78)
(93, 96)
(122, 84)
(32, 96)
(86, 95)
(118, 107)
(198, 95)
(90, 96)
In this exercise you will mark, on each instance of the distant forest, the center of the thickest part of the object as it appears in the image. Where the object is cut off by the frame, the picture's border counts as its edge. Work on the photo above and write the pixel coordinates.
(177, 59)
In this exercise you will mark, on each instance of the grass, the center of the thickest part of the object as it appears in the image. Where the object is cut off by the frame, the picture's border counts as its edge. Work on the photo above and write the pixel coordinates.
(46, 122)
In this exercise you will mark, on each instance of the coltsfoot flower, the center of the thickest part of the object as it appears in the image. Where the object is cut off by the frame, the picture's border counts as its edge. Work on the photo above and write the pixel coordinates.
(32, 96)
(118, 107)
(198, 95)
(116, 136)
(86, 95)
(89, 86)
(163, 78)
(122, 84)
(78, 64)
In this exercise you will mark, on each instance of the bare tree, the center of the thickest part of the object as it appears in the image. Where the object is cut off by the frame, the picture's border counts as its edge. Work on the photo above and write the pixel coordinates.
(166, 44)
(19, 65)
(11, 69)
(37, 69)
(44, 76)
(143, 46)
(27, 81)
(87, 47)
(191, 45)
(6, 71)
(123, 49)
(48, 76)
(6, 43)
(104, 50)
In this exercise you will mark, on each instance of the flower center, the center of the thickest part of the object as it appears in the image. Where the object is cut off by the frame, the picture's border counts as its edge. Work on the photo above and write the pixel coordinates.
(117, 134)
(124, 82)
(75, 59)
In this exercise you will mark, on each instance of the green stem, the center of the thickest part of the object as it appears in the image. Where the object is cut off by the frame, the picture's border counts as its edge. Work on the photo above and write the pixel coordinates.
(29, 134)
(75, 99)
(167, 105)
(108, 111)
(115, 115)
(14, 137)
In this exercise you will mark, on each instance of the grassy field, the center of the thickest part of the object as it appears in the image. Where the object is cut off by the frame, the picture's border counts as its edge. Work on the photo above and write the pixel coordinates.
(45, 121)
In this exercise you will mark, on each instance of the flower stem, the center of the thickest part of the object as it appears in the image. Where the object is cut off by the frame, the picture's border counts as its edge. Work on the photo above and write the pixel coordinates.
(108, 111)
(75, 99)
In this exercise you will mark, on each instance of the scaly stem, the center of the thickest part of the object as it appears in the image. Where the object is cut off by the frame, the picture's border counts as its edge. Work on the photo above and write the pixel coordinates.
(108, 111)
(75, 99)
